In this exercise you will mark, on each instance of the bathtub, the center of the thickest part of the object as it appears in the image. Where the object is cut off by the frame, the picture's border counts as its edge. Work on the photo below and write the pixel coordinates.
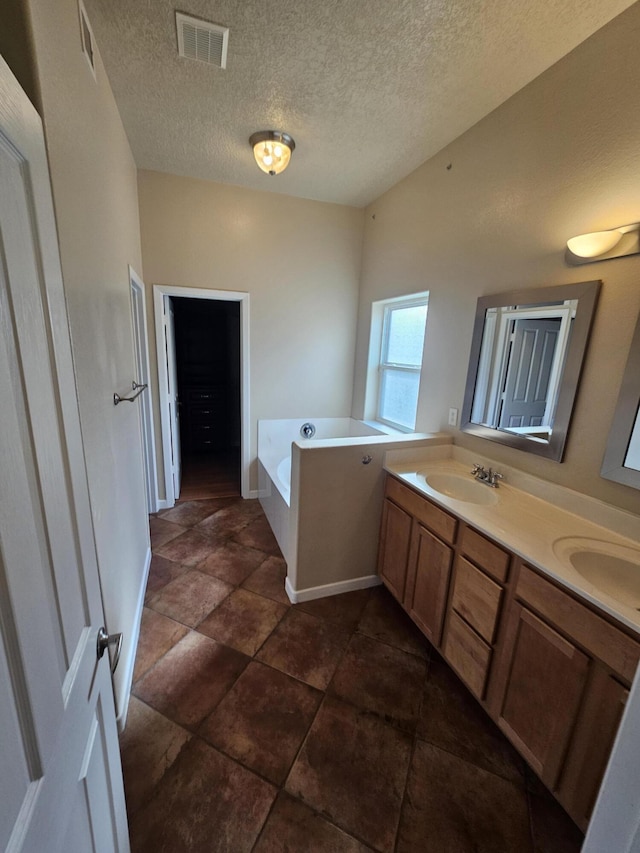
(323, 497)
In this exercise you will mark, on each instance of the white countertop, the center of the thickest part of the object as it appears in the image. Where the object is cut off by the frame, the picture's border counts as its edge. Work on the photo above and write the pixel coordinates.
(526, 524)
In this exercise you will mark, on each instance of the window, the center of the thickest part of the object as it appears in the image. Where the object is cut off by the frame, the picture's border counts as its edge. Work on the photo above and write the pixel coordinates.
(399, 331)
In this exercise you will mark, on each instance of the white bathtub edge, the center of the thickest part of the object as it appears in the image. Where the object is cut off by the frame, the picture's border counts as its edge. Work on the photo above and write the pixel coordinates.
(297, 596)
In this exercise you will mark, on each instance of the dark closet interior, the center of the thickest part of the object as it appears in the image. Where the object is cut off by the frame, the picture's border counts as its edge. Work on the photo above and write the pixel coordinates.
(207, 335)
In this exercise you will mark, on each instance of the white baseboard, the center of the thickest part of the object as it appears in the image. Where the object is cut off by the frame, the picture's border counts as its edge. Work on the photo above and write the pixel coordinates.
(129, 662)
(162, 504)
(297, 596)
(252, 493)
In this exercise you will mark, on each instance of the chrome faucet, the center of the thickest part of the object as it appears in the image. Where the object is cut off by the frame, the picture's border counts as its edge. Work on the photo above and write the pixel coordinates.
(493, 478)
(489, 477)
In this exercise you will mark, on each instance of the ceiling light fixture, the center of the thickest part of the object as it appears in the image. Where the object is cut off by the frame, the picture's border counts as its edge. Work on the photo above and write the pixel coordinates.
(272, 150)
(604, 245)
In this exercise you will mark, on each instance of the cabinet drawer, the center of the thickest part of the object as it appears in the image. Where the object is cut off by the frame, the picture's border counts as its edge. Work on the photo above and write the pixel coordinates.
(467, 653)
(485, 554)
(599, 637)
(427, 513)
(202, 395)
(202, 412)
(477, 599)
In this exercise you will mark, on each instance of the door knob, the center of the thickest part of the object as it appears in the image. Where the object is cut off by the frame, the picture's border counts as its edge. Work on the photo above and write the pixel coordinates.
(104, 641)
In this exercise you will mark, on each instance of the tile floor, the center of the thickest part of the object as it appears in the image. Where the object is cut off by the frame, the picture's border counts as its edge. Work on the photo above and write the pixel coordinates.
(259, 726)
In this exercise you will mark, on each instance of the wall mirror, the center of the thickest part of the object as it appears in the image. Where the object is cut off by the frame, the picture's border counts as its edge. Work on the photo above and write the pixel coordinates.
(622, 457)
(527, 352)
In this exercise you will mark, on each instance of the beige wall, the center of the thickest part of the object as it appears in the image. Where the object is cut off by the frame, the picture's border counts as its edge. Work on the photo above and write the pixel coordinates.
(558, 159)
(299, 260)
(95, 196)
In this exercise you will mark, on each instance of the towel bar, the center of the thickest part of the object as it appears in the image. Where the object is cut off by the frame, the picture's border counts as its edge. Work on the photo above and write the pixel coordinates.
(135, 386)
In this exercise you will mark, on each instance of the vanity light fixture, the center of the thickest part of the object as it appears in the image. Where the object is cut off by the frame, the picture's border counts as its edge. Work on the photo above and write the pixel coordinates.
(603, 245)
(272, 150)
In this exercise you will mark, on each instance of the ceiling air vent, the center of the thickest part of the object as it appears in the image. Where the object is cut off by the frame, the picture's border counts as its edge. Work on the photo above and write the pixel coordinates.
(202, 41)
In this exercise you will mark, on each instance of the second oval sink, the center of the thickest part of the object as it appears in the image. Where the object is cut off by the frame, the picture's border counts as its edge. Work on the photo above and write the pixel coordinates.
(613, 569)
(460, 488)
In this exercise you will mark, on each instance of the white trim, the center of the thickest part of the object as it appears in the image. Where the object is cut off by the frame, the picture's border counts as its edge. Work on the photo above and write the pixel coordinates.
(159, 292)
(297, 596)
(162, 504)
(129, 662)
(501, 334)
(141, 350)
(380, 309)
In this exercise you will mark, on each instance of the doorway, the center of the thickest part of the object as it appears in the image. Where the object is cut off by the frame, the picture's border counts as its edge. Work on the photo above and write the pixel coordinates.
(207, 349)
(203, 378)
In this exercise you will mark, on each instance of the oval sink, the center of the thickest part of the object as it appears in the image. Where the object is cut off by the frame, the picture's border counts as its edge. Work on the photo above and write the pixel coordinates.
(613, 569)
(460, 488)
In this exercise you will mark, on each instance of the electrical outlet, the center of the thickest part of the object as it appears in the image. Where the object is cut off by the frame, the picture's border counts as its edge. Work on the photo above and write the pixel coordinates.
(453, 417)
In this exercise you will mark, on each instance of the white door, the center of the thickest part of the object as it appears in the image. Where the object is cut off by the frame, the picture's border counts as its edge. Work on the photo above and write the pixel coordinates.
(60, 779)
(172, 391)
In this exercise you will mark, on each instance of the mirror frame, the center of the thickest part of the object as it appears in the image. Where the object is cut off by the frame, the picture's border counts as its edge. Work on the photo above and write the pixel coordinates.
(624, 419)
(586, 293)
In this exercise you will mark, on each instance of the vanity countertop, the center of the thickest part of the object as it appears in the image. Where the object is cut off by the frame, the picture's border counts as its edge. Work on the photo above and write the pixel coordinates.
(528, 524)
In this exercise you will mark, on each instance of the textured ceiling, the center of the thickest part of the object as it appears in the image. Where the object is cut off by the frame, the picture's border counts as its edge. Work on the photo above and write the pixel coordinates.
(369, 89)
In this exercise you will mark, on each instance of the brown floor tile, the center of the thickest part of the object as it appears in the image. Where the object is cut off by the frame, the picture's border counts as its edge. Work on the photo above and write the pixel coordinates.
(344, 609)
(149, 745)
(231, 518)
(306, 647)
(464, 789)
(352, 768)
(190, 680)
(263, 720)
(189, 513)
(244, 621)
(161, 572)
(206, 803)
(453, 720)
(158, 634)
(452, 805)
(162, 531)
(381, 679)
(232, 562)
(383, 619)
(190, 548)
(552, 829)
(190, 597)
(294, 827)
(268, 580)
(259, 535)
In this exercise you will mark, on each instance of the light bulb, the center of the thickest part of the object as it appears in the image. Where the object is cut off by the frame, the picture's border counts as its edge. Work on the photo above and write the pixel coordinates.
(594, 244)
(272, 150)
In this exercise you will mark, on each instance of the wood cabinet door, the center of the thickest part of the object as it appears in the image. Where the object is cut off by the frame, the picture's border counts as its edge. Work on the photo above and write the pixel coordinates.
(394, 548)
(430, 565)
(543, 688)
(591, 745)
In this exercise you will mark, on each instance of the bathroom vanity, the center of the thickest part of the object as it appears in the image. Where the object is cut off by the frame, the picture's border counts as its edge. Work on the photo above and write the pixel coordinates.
(489, 576)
